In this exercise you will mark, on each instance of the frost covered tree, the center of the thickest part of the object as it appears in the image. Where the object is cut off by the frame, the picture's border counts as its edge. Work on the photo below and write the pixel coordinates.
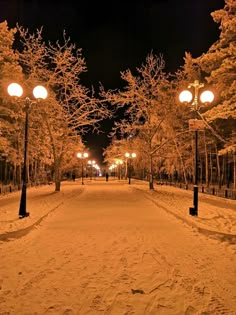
(148, 102)
(218, 65)
(11, 115)
(71, 107)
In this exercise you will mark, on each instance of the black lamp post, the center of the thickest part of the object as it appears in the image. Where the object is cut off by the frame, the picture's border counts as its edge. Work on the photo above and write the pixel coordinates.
(129, 157)
(14, 89)
(206, 97)
(82, 156)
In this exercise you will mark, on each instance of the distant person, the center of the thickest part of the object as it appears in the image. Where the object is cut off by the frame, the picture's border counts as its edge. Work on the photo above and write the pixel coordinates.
(107, 176)
(73, 177)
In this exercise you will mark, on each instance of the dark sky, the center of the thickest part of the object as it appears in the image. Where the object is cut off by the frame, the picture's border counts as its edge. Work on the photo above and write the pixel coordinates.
(117, 35)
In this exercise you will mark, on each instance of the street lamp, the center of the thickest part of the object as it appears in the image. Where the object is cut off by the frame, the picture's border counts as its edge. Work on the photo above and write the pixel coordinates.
(39, 92)
(97, 170)
(82, 156)
(206, 97)
(91, 164)
(129, 157)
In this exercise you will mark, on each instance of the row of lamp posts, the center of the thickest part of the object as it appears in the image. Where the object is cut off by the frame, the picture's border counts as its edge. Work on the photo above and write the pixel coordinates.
(206, 97)
(129, 156)
(128, 166)
(82, 156)
(92, 164)
(39, 92)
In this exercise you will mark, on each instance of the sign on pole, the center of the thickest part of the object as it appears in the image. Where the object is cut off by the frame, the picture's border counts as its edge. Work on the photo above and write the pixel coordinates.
(196, 124)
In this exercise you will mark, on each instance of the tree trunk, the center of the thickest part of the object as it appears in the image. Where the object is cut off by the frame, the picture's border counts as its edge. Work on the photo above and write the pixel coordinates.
(234, 169)
(227, 171)
(218, 168)
(151, 186)
(57, 177)
(201, 165)
(211, 170)
(181, 162)
(126, 168)
(206, 162)
(14, 174)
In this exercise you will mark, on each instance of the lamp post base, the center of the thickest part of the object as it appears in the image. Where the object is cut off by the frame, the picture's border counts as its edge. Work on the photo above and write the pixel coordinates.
(192, 211)
(22, 216)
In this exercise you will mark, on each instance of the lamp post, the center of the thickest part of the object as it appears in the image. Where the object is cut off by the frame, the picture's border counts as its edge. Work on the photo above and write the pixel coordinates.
(206, 97)
(129, 157)
(82, 156)
(39, 92)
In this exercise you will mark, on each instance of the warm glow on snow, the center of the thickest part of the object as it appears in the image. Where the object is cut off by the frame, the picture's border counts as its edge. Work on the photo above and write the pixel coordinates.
(112, 248)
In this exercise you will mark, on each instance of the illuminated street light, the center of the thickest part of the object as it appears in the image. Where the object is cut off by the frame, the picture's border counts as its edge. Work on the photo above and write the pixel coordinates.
(112, 169)
(39, 92)
(91, 163)
(82, 156)
(129, 157)
(97, 168)
(206, 97)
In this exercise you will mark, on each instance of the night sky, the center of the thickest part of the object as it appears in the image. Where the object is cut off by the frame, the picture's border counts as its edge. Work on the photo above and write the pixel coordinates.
(117, 35)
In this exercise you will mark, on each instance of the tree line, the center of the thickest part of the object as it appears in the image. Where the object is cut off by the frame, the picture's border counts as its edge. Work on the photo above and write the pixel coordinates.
(154, 124)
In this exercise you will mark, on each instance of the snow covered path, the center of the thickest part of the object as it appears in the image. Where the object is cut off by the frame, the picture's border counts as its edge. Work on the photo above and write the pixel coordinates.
(108, 248)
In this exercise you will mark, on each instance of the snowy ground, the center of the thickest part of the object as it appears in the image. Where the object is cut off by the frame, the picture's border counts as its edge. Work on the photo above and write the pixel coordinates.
(215, 214)
(119, 249)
